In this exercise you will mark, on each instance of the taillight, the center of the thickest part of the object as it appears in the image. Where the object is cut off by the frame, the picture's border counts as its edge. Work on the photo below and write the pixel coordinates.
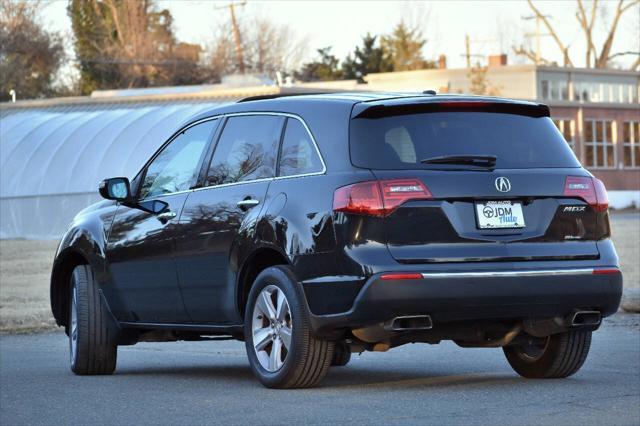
(591, 190)
(606, 271)
(378, 198)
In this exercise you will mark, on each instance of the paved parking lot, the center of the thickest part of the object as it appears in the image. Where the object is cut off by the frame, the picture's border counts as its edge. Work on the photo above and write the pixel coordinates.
(210, 382)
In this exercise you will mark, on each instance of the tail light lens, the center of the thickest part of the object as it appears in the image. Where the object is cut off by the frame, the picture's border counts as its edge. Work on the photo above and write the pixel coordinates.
(606, 271)
(378, 198)
(591, 190)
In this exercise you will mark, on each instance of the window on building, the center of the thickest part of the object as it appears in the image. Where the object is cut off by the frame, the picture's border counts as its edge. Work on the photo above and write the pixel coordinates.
(566, 128)
(590, 91)
(554, 90)
(555, 94)
(545, 89)
(599, 144)
(631, 143)
(595, 92)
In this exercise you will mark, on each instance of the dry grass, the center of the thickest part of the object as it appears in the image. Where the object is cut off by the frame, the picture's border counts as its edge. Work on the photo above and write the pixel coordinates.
(625, 231)
(24, 285)
(25, 267)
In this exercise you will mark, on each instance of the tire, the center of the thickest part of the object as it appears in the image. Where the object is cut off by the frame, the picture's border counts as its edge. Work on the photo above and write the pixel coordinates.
(90, 346)
(341, 355)
(306, 359)
(561, 356)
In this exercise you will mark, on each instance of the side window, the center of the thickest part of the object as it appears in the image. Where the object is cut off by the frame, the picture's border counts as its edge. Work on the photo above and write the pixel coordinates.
(175, 168)
(246, 150)
(298, 156)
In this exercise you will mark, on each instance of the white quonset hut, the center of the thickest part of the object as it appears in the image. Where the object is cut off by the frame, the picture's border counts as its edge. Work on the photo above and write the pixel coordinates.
(53, 153)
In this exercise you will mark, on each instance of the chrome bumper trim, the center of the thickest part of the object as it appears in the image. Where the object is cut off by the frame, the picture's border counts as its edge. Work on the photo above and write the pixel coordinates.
(519, 273)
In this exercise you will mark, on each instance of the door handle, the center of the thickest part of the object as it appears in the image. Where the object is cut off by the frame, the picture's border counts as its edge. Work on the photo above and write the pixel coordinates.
(247, 203)
(166, 216)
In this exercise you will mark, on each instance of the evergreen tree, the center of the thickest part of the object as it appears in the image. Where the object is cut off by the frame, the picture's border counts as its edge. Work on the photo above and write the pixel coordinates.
(404, 48)
(366, 59)
(325, 68)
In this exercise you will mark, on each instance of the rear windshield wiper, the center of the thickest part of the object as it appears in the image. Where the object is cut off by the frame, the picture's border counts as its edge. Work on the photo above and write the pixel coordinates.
(487, 161)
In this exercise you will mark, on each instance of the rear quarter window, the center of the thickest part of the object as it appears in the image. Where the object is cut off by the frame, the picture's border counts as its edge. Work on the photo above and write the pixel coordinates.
(401, 142)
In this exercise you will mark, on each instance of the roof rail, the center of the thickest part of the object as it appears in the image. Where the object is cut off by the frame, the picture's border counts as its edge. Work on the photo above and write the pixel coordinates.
(278, 95)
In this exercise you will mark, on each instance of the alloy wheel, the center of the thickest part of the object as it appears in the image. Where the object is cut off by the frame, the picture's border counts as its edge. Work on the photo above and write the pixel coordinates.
(73, 332)
(271, 328)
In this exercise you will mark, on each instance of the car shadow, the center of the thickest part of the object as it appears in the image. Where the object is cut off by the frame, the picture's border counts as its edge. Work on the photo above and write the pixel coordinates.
(345, 378)
(217, 372)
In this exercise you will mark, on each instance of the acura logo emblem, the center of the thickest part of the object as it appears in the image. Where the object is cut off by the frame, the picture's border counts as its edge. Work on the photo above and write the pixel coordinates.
(503, 184)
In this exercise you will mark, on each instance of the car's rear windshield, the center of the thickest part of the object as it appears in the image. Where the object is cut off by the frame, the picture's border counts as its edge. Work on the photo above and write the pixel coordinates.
(404, 141)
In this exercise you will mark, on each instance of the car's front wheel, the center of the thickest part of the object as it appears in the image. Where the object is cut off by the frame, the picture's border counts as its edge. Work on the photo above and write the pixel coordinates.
(282, 350)
(558, 356)
(90, 346)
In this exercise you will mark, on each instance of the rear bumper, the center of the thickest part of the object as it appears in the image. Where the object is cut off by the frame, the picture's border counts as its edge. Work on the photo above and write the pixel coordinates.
(471, 295)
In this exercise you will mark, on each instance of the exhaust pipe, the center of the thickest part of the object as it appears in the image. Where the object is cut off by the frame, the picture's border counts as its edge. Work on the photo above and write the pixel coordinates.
(582, 318)
(410, 322)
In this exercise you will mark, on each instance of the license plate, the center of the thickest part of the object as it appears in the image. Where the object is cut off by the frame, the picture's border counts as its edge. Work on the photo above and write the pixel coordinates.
(499, 214)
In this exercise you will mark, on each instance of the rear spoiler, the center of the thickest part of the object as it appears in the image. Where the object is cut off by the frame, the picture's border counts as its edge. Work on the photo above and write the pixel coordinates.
(530, 109)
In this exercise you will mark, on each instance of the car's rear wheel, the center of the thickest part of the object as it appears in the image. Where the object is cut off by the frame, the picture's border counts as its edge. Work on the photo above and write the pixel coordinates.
(90, 347)
(341, 355)
(282, 350)
(560, 355)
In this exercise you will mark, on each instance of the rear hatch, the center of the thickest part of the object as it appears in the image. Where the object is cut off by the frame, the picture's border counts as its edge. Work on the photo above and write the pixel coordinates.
(478, 181)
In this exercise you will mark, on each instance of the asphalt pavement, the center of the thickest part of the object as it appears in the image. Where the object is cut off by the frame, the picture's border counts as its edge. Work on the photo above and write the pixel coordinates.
(210, 382)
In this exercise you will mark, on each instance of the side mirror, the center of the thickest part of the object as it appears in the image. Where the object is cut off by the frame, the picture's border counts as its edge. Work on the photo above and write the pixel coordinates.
(117, 189)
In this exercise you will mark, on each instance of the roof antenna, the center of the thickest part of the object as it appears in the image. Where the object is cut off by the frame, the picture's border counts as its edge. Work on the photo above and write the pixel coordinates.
(429, 92)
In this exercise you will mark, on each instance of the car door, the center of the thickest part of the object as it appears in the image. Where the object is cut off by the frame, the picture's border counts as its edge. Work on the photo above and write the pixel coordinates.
(217, 217)
(141, 243)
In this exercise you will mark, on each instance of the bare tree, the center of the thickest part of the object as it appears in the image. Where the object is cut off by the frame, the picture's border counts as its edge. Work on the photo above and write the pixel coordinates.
(587, 18)
(220, 55)
(29, 55)
(479, 84)
(267, 47)
(273, 47)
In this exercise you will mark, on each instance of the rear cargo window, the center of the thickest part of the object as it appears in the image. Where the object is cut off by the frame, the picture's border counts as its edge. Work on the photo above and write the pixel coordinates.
(401, 142)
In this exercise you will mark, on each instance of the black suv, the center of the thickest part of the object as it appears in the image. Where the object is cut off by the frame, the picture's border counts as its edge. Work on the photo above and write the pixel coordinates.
(314, 226)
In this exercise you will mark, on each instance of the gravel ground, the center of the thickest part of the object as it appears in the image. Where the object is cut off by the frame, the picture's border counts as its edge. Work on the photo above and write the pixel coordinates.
(25, 267)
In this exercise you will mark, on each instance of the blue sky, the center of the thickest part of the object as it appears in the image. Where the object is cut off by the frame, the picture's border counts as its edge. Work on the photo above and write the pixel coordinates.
(492, 25)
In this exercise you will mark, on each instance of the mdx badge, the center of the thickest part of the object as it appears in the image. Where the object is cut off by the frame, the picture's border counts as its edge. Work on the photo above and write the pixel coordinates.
(503, 184)
(574, 209)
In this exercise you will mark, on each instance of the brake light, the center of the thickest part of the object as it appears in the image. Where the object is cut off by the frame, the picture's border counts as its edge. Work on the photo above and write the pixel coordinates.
(378, 198)
(591, 190)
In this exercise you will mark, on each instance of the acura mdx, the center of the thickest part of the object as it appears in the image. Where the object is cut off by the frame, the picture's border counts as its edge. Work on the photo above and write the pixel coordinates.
(314, 226)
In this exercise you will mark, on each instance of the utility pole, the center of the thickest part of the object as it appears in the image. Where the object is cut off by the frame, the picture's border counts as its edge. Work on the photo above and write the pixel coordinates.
(467, 46)
(236, 33)
(538, 18)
